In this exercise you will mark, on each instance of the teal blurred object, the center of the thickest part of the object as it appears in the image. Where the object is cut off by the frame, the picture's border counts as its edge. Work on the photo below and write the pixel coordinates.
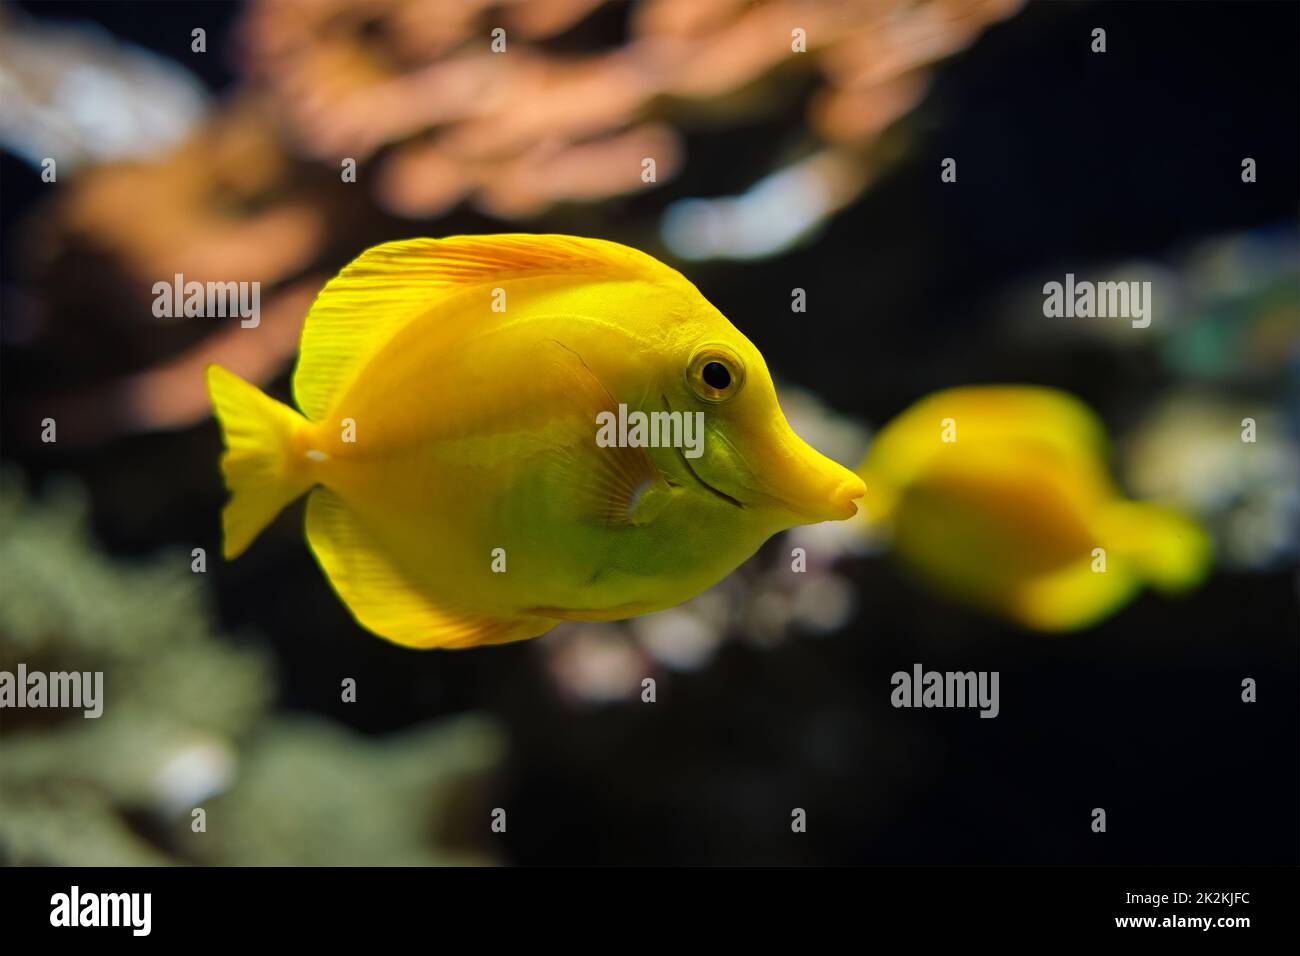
(1239, 321)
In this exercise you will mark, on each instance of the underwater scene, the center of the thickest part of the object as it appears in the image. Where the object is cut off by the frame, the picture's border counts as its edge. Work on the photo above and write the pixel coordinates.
(671, 432)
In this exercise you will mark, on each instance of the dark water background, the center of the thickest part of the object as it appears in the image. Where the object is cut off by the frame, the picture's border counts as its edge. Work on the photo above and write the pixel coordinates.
(1065, 158)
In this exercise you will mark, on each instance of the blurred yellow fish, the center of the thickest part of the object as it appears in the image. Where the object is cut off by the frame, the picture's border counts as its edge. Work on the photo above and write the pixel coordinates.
(502, 432)
(999, 495)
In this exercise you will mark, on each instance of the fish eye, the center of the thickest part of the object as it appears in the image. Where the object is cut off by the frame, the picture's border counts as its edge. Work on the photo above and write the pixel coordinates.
(715, 373)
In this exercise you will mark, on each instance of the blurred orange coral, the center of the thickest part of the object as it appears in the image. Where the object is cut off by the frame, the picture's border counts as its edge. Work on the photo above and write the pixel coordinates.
(413, 89)
(227, 204)
(419, 80)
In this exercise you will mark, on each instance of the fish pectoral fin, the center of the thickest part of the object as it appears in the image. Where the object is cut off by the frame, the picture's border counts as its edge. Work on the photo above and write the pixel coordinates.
(387, 601)
(615, 483)
(622, 487)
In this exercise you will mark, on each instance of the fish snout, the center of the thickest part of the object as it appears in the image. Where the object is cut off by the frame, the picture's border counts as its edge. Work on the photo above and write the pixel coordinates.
(845, 498)
(813, 488)
(837, 504)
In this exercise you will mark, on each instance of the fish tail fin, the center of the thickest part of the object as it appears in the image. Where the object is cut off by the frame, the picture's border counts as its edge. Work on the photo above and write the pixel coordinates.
(260, 470)
(1166, 548)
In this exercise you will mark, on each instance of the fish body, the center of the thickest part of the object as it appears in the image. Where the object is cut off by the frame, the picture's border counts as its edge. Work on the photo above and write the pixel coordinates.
(452, 393)
(1000, 497)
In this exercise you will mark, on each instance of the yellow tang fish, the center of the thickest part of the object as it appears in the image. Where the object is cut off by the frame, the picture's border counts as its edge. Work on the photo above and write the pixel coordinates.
(502, 432)
(999, 496)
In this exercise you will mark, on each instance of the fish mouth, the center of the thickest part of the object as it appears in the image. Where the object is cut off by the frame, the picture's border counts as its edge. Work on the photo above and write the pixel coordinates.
(696, 475)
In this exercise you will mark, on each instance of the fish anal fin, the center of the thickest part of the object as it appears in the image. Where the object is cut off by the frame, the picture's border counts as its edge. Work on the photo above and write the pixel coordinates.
(384, 599)
(618, 613)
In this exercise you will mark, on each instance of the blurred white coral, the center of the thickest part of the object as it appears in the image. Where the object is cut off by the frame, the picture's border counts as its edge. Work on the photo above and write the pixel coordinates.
(74, 93)
(1189, 450)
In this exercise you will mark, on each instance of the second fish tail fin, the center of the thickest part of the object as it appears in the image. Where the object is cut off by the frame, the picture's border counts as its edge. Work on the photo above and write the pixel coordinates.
(1166, 548)
(261, 467)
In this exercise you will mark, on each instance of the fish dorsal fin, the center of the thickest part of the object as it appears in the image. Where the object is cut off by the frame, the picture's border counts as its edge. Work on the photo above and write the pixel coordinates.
(390, 285)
